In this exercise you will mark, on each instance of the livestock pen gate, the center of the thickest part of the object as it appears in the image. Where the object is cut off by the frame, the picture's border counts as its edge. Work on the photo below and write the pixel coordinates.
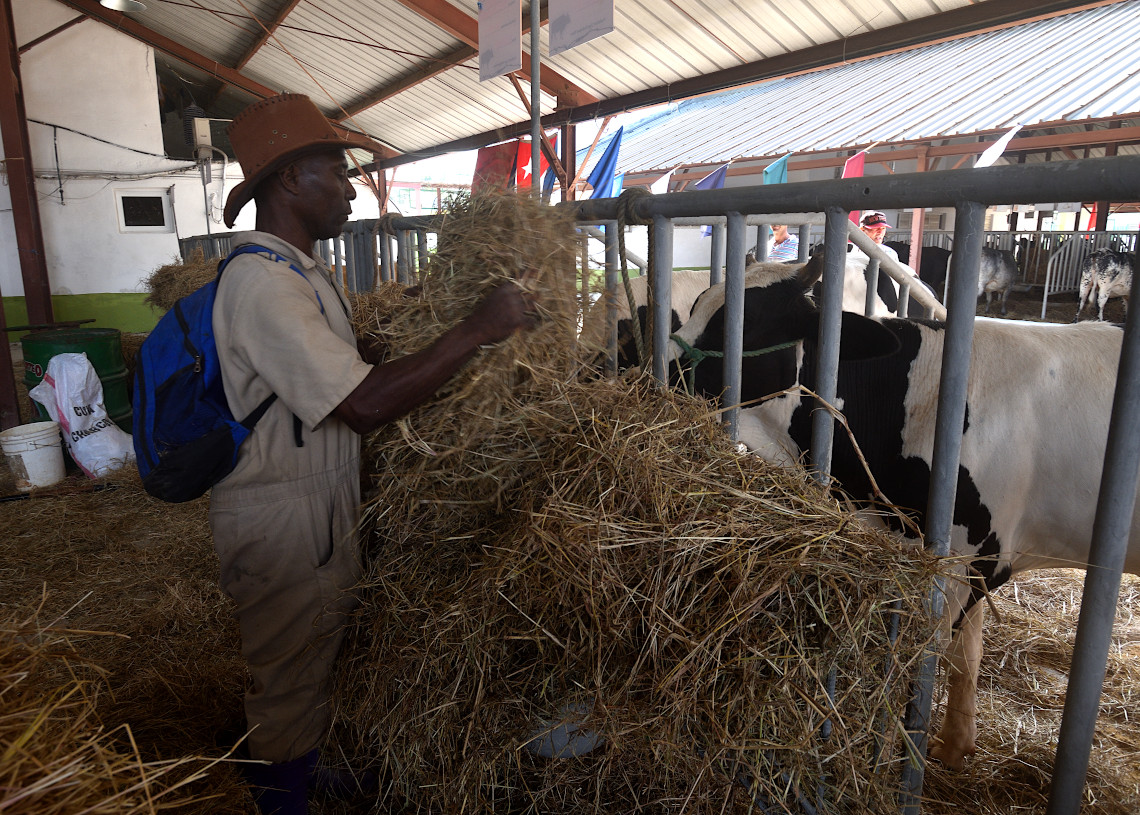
(368, 245)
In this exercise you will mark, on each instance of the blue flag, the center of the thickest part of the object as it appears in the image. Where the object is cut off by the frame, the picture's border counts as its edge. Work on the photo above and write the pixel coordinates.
(712, 181)
(602, 176)
(777, 171)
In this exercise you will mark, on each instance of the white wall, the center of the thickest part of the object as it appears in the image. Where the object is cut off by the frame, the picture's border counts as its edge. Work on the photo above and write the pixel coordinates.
(101, 86)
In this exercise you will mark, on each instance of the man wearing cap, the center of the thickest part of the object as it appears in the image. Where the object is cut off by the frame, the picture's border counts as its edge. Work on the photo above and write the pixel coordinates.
(874, 225)
(283, 521)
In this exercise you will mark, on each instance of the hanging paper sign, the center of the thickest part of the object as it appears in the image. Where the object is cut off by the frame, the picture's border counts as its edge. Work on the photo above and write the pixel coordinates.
(500, 38)
(1068, 206)
(573, 22)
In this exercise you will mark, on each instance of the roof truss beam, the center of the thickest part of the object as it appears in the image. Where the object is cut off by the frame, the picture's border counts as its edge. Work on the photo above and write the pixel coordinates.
(231, 76)
(267, 32)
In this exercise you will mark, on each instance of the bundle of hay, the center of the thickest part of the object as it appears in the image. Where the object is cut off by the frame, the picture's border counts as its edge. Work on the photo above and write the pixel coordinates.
(550, 554)
(170, 283)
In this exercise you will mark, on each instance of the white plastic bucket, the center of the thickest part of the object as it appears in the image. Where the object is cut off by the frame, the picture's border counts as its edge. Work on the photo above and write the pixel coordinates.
(35, 454)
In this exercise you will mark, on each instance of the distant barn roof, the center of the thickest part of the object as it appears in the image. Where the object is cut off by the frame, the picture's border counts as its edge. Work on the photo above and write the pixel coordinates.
(1066, 71)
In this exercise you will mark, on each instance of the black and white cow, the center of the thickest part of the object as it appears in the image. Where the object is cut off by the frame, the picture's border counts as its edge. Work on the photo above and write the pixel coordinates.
(1105, 274)
(1030, 465)
(932, 265)
(685, 288)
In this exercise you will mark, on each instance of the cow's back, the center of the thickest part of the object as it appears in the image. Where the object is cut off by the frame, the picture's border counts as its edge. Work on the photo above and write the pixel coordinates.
(1039, 400)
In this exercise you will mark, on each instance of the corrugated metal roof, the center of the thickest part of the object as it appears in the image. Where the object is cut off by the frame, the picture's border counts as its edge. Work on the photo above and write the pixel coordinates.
(1074, 67)
(342, 52)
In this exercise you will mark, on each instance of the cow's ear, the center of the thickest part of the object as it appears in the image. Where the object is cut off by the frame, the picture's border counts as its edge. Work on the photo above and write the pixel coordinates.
(864, 338)
(810, 273)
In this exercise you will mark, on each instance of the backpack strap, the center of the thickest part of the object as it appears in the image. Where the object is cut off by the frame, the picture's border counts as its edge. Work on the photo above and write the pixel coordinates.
(259, 411)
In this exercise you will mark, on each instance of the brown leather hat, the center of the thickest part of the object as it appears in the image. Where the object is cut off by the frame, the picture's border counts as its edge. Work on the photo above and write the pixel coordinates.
(270, 133)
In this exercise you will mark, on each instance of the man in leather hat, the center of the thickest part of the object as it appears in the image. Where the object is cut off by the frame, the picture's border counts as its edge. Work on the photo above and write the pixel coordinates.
(283, 521)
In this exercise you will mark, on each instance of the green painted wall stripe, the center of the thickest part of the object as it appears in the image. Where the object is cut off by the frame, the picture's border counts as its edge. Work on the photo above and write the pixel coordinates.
(124, 311)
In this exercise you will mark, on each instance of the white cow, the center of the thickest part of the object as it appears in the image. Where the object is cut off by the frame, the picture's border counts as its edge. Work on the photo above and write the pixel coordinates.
(1030, 464)
(686, 287)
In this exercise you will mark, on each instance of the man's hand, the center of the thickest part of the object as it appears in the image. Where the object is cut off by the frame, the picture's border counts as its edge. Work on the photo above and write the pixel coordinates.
(505, 309)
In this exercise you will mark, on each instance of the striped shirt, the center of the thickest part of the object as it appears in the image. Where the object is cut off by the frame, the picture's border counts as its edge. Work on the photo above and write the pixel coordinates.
(789, 249)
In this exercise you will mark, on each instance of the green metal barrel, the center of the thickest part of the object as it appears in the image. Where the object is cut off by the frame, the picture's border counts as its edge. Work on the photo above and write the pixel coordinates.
(104, 349)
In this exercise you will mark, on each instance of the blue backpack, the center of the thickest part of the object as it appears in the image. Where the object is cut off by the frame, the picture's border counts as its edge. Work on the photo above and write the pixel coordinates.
(186, 438)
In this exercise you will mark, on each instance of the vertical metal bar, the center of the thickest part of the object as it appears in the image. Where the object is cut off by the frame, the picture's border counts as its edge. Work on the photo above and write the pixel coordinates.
(612, 264)
(387, 272)
(762, 241)
(871, 275)
(421, 253)
(1102, 581)
(343, 257)
(827, 366)
(716, 253)
(535, 97)
(805, 242)
(662, 292)
(969, 225)
(402, 259)
(734, 321)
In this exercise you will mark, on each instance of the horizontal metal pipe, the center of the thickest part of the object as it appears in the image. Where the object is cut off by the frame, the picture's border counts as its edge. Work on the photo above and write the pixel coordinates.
(1094, 179)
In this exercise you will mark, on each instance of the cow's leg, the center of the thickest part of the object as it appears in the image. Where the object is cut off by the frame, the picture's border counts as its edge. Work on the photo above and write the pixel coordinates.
(1005, 302)
(1102, 300)
(1084, 296)
(959, 730)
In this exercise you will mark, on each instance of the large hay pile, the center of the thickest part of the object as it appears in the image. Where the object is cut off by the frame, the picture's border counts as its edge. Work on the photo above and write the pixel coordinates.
(547, 547)
(169, 283)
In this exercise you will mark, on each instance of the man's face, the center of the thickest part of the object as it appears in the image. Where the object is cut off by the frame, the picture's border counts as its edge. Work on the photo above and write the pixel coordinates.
(326, 192)
(875, 233)
(780, 233)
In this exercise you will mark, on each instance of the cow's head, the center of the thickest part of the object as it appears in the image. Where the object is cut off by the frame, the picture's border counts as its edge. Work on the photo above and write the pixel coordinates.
(779, 319)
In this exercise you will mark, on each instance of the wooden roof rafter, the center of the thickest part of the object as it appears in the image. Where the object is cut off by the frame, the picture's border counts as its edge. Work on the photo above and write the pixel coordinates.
(267, 31)
(226, 74)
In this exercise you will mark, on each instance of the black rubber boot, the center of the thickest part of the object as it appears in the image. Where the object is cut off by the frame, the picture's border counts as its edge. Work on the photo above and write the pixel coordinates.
(282, 789)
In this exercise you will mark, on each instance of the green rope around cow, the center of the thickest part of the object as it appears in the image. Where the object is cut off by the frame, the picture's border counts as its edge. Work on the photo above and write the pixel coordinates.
(698, 355)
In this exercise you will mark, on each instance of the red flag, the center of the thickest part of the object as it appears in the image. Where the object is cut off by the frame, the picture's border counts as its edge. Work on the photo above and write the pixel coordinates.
(853, 168)
(493, 167)
(522, 165)
(1092, 218)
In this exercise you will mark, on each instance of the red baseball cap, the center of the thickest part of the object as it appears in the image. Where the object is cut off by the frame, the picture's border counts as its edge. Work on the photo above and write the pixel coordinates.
(872, 220)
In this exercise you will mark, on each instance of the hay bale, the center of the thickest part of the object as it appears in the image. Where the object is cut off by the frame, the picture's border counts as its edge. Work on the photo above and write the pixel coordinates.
(540, 541)
(170, 283)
